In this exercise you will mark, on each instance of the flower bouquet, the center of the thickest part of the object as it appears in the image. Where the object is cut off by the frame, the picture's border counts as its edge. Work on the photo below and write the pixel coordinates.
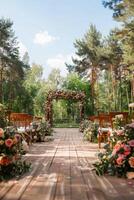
(40, 130)
(91, 131)
(10, 155)
(118, 160)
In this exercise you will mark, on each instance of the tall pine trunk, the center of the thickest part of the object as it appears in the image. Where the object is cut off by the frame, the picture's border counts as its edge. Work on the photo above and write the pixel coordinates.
(93, 81)
(1, 86)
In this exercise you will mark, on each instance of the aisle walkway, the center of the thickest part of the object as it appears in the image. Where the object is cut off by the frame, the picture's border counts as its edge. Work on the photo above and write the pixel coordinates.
(62, 170)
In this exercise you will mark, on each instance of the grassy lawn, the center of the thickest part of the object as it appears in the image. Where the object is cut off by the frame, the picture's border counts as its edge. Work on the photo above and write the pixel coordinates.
(66, 125)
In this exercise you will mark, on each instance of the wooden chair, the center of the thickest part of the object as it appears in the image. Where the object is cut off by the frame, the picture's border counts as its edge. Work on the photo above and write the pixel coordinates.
(105, 123)
(125, 115)
(21, 119)
(103, 136)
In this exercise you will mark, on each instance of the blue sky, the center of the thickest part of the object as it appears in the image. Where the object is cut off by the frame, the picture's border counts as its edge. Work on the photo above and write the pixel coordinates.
(47, 29)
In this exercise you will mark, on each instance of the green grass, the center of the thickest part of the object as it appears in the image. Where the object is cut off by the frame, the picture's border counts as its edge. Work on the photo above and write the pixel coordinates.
(66, 125)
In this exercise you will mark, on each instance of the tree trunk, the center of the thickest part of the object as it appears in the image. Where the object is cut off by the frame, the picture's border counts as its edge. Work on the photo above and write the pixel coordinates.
(132, 89)
(113, 86)
(127, 95)
(93, 81)
(1, 86)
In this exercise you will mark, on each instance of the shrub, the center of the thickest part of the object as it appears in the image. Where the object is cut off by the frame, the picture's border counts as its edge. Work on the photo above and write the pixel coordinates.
(84, 124)
(90, 130)
(40, 130)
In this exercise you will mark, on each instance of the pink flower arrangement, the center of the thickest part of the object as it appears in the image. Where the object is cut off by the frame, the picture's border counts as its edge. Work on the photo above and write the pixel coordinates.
(9, 142)
(10, 155)
(120, 154)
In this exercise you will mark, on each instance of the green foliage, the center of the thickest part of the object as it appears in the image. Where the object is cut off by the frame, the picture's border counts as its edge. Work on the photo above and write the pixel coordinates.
(89, 52)
(123, 9)
(74, 82)
(32, 85)
(33, 78)
(11, 67)
(55, 79)
(84, 125)
(3, 121)
(14, 170)
(59, 110)
(67, 124)
(53, 82)
(94, 55)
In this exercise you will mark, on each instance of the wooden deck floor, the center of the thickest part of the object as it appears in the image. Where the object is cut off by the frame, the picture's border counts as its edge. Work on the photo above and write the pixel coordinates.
(62, 170)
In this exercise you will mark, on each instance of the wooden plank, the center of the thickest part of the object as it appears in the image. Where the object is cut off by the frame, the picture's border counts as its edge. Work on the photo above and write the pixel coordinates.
(78, 187)
(62, 170)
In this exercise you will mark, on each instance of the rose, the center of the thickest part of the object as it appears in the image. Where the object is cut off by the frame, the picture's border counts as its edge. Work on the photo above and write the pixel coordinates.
(9, 142)
(1, 133)
(117, 147)
(131, 162)
(127, 150)
(120, 159)
(126, 153)
(131, 143)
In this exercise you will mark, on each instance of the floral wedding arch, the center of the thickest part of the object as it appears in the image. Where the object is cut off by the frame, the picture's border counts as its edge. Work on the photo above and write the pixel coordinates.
(67, 95)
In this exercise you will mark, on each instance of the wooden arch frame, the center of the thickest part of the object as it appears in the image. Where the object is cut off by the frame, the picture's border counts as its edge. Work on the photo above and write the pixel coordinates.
(59, 94)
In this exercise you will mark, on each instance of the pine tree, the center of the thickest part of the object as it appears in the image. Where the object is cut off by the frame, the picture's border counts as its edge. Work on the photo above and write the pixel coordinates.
(90, 52)
(11, 68)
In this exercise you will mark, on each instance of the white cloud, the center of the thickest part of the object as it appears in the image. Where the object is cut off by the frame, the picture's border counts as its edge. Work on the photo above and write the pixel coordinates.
(59, 62)
(43, 38)
(22, 49)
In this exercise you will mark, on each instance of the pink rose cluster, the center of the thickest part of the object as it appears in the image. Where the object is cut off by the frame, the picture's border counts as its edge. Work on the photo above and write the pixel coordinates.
(12, 143)
(123, 153)
(119, 156)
